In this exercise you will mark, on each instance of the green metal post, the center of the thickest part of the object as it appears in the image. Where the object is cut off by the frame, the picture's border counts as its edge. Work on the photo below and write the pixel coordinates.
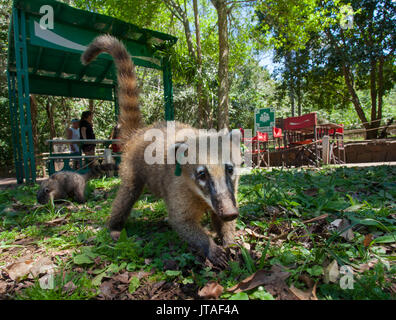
(14, 126)
(168, 90)
(23, 95)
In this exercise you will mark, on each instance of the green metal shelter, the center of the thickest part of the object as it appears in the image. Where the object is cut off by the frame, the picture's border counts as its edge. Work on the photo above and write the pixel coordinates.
(45, 59)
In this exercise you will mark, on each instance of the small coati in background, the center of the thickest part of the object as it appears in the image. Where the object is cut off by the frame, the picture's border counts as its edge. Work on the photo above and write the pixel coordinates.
(200, 188)
(65, 184)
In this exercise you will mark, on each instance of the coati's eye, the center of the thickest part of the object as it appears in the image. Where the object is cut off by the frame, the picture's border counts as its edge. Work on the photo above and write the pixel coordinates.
(201, 174)
(46, 190)
(229, 169)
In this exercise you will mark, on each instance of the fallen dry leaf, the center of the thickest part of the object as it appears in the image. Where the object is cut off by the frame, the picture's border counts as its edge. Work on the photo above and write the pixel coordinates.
(341, 224)
(18, 270)
(321, 217)
(254, 233)
(122, 277)
(3, 287)
(69, 287)
(42, 266)
(108, 290)
(29, 267)
(310, 294)
(141, 274)
(211, 290)
(307, 280)
(367, 240)
(260, 278)
(366, 266)
(57, 221)
(331, 272)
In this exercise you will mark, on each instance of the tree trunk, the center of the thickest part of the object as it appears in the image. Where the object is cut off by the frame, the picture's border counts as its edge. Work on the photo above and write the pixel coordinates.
(49, 108)
(202, 99)
(291, 95)
(91, 105)
(181, 14)
(372, 134)
(380, 88)
(354, 97)
(223, 91)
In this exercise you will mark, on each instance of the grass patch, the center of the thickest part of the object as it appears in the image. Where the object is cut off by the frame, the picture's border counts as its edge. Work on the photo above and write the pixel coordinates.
(271, 203)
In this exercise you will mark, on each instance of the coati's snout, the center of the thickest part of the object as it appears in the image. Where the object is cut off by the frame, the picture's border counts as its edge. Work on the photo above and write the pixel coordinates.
(43, 195)
(216, 185)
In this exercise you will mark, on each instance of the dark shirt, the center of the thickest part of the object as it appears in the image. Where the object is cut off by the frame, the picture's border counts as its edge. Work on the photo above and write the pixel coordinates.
(89, 133)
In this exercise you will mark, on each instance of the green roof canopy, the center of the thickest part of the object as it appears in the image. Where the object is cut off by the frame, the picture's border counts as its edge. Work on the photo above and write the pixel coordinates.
(53, 55)
(46, 60)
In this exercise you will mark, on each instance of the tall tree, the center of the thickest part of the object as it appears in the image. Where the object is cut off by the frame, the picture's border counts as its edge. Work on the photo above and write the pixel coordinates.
(202, 98)
(224, 86)
(361, 52)
(34, 113)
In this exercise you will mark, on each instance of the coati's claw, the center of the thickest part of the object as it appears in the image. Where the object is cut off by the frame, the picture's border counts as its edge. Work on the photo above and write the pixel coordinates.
(115, 235)
(218, 257)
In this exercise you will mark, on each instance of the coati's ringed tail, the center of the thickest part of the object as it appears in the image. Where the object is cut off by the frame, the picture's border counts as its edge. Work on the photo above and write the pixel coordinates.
(128, 93)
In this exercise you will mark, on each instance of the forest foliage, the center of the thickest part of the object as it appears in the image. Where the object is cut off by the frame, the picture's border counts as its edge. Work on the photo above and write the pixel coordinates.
(305, 74)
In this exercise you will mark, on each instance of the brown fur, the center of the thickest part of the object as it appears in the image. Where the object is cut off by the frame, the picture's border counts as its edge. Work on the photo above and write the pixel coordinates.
(68, 184)
(62, 185)
(186, 198)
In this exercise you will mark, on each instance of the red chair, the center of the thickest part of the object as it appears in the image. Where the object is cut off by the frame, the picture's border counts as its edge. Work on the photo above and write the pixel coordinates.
(277, 132)
(301, 133)
(257, 147)
(278, 137)
(338, 137)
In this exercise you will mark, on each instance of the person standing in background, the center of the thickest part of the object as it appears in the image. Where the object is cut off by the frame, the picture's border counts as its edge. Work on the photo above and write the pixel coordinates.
(73, 133)
(86, 132)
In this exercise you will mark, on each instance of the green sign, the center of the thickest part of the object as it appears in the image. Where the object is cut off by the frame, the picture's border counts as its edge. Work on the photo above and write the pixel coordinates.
(264, 120)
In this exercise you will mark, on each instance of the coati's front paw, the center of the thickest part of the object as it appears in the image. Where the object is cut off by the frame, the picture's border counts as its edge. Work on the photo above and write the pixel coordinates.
(228, 241)
(218, 256)
(115, 235)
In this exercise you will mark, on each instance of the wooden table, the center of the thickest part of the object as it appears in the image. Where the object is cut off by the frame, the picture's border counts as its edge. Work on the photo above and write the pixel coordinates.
(66, 157)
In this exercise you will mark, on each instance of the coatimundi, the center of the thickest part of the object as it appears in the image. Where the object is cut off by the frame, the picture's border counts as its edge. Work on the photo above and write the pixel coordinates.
(65, 184)
(199, 188)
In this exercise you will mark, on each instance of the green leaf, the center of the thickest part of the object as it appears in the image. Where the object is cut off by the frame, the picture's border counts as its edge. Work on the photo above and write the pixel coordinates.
(354, 208)
(248, 260)
(82, 259)
(368, 222)
(389, 238)
(187, 280)
(261, 294)
(98, 279)
(123, 236)
(239, 296)
(315, 271)
(134, 284)
(173, 273)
